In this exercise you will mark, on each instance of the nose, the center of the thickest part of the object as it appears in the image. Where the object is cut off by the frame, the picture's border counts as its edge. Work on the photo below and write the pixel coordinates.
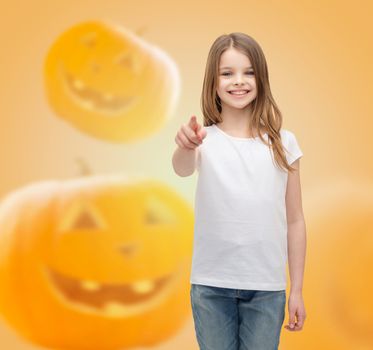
(128, 249)
(238, 80)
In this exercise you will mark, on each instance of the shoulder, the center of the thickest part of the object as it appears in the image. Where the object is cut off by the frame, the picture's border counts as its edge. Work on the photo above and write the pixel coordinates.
(289, 140)
(287, 136)
(286, 133)
(207, 144)
(209, 127)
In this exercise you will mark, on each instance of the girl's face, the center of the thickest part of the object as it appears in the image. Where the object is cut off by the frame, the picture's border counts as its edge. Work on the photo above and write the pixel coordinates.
(235, 73)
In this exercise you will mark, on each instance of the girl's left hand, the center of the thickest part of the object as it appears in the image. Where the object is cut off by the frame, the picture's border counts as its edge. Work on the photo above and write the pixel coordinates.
(296, 308)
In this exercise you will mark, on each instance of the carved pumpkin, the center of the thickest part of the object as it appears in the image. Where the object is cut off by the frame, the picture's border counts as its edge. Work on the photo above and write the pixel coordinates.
(338, 283)
(110, 83)
(99, 262)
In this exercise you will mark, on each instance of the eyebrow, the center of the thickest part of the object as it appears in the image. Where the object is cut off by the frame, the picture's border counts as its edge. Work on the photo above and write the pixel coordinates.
(231, 67)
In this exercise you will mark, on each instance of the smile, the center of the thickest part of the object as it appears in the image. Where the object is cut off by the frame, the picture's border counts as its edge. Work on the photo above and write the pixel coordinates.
(92, 99)
(239, 93)
(111, 299)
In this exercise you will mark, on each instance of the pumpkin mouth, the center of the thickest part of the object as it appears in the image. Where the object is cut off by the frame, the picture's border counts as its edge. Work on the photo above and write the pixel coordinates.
(112, 299)
(92, 99)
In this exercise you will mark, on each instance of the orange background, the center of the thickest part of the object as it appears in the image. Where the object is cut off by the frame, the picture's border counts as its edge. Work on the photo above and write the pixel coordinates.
(319, 55)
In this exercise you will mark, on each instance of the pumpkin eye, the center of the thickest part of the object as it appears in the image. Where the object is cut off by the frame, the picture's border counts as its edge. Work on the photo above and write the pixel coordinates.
(124, 59)
(157, 212)
(89, 39)
(82, 216)
(95, 67)
(85, 221)
(127, 60)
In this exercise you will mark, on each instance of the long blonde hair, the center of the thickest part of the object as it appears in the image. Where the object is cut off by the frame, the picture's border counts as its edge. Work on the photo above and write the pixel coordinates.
(265, 113)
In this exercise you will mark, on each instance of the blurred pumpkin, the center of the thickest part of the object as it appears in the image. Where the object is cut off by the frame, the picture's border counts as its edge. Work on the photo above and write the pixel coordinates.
(338, 283)
(99, 262)
(110, 83)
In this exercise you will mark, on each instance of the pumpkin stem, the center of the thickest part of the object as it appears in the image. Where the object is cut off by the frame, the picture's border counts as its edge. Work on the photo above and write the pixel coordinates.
(141, 31)
(84, 167)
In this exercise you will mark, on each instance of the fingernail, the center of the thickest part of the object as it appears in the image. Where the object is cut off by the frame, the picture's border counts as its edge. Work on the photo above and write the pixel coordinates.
(291, 325)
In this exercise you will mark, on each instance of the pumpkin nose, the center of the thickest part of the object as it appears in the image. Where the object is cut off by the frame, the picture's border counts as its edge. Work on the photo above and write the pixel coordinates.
(128, 249)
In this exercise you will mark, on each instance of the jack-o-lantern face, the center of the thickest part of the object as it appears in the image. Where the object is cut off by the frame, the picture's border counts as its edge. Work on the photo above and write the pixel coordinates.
(110, 83)
(338, 272)
(104, 260)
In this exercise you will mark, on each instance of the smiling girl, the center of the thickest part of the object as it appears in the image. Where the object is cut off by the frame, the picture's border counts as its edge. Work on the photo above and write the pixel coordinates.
(248, 209)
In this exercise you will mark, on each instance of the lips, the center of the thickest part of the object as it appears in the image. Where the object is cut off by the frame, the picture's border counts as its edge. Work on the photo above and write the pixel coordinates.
(92, 99)
(112, 299)
(238, 92)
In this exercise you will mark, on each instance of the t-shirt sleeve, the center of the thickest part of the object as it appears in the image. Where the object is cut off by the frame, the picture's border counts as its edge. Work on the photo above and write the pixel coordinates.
(294, 151)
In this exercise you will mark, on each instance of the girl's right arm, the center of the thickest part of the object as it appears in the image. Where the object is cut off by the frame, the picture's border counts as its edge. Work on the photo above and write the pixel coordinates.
(188, 138)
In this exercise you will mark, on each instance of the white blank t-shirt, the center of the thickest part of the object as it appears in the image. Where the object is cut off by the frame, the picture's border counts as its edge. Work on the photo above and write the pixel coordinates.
(240, 228)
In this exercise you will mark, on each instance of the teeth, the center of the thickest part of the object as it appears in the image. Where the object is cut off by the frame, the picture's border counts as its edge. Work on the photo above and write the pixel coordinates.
(88, 104)
(143, 286)
(90, 285)
(78, 84)
(108, 97)
(238, 93)
(140, 287)
(114, 309)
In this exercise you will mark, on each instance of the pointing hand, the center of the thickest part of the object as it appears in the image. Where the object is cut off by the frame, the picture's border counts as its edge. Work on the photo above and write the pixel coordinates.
(190, 135)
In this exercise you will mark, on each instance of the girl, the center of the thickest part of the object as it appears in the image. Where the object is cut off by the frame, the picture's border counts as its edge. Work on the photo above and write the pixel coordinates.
(248, 208)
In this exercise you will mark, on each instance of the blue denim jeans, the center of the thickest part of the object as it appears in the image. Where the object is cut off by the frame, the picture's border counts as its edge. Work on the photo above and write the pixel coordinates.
(237, 319)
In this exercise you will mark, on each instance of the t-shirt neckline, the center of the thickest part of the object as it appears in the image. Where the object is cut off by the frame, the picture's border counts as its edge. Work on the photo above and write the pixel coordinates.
(236, 137)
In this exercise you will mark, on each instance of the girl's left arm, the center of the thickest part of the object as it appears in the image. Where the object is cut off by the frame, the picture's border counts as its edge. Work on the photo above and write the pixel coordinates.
(296, 229)
(296, 247)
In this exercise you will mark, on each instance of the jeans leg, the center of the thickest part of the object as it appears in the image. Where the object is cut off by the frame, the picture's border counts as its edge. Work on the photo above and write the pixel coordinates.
(215, 317)
(261, 315)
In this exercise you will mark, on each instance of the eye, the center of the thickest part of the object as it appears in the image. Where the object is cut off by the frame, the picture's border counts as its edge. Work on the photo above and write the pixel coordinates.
(125, 59)
(226, 73)
(89, 39)
(81, 216)
(158, 213)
